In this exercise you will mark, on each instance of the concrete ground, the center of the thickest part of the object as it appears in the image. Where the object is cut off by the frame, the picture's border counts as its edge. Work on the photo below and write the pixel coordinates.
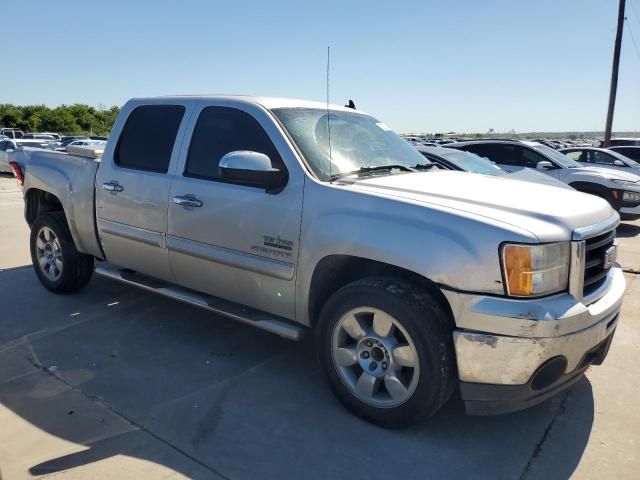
(113, 382)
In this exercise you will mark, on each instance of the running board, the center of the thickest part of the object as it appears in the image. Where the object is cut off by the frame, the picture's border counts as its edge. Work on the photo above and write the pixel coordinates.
(248, 315)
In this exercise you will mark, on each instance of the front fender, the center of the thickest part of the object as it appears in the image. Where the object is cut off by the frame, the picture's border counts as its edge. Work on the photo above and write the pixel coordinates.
(454, 250)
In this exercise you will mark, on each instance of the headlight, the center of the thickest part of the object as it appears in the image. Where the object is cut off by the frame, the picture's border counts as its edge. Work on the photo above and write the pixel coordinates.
(631, 196)
(535, 270)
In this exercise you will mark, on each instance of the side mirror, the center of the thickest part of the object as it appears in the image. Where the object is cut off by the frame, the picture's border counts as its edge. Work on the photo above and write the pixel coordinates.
(619, 163)
(544, 165)
(253, 169)
(9, 150)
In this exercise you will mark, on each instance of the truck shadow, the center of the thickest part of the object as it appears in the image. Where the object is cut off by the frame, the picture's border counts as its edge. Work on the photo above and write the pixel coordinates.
(120, 372)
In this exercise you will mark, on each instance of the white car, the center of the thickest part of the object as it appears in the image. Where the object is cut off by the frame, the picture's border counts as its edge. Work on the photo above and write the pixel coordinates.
(86, 142)
(603, 158)
(620, 188)
(8, 146)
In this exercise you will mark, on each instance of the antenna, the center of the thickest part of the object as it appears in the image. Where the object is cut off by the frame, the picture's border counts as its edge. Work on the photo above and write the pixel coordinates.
(328, 116)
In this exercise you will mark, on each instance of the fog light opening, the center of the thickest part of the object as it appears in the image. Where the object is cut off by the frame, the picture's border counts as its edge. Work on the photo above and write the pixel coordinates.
(549, 373)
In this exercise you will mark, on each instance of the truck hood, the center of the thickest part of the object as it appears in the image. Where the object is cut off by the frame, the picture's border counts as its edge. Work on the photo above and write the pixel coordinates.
(547, 212)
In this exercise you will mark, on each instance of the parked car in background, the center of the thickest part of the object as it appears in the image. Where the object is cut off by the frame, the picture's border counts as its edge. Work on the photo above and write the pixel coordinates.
(9, 146)
(64, 141)
(39, 136)
(85, 142)
(602, 157)
(631, 151)
(56, 136)
(11, 132)
(623, 142)
(620, 188)
(453, 159)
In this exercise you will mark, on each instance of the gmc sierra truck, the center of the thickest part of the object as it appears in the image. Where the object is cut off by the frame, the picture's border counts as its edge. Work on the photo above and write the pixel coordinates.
(295, 217)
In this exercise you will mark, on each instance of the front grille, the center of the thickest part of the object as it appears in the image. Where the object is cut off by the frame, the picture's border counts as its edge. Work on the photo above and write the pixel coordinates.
(595, 272)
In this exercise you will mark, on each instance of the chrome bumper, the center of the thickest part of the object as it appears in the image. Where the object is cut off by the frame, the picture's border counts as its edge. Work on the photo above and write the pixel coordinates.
(504, 341)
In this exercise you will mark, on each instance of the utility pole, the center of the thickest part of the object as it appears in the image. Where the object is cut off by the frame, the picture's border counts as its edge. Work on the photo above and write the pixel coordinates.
(614, 75)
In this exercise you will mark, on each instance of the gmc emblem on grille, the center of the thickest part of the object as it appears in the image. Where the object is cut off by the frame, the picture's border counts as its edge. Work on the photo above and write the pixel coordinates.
(610, 256)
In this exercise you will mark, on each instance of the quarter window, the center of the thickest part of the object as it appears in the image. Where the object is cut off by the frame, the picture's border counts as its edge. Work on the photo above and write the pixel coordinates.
(147, 139)
(221, 130)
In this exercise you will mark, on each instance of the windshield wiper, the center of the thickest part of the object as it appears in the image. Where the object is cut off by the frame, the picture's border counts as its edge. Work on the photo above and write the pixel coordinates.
(365, 171)
(424, 166)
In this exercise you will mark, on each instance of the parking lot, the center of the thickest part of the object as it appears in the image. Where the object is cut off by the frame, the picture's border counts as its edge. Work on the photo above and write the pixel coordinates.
(114, 382)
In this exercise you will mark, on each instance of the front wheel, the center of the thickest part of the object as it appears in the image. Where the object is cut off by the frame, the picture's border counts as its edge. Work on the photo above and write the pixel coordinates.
(60, 267)
(386, 348)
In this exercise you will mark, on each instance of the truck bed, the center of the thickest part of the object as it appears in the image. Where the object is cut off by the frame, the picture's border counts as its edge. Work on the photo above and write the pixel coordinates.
(70, 177)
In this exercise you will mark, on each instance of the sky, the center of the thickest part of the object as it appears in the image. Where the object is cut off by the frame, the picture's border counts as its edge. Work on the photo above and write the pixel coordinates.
(428, 66)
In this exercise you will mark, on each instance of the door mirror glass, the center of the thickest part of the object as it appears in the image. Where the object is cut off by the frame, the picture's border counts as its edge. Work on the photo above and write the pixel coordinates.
(253, 169)
(544, 165)
(619, 163)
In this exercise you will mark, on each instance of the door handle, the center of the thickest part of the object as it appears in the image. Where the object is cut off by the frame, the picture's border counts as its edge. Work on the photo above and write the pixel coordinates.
(187, 201)
(112, 187)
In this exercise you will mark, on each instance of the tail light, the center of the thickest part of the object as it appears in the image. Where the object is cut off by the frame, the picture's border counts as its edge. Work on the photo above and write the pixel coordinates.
(17, 172)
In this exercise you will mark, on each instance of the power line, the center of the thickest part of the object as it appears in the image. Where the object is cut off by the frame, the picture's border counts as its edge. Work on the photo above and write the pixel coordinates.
(633, 40)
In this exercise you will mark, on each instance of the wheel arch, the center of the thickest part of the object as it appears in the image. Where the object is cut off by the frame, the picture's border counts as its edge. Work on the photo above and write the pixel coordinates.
(597, 190)
(37, 201)
(335, 271)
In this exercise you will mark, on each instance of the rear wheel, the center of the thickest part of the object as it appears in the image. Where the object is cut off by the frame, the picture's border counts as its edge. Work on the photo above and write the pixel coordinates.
(56, 261)
(386, 348)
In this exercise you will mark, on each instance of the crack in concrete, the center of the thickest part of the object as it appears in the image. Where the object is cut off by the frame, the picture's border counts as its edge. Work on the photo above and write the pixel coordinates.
(633, 271)
(132, 422)
(538, 448)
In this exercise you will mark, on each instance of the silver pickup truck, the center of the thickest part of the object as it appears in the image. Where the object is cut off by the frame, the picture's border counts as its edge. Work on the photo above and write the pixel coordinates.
(296, 217)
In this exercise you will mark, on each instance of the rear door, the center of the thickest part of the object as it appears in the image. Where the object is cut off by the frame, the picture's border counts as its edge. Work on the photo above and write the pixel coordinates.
(132, 187)
(240, 243)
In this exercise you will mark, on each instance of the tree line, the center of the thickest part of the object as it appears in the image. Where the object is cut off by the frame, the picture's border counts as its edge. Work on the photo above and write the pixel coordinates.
(66, 119)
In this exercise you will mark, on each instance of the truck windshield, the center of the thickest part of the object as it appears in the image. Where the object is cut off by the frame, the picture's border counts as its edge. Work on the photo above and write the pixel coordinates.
(357, 141)
(556, 156)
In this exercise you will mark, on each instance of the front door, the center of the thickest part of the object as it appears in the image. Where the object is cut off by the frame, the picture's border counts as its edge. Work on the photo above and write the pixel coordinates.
(132, 189)
(235, 241)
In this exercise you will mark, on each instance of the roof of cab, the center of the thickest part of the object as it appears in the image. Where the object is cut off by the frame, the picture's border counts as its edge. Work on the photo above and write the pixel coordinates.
(266, 102)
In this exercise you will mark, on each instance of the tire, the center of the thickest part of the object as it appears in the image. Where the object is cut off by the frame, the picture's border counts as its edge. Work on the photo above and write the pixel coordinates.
(56, 261)
(422, 334)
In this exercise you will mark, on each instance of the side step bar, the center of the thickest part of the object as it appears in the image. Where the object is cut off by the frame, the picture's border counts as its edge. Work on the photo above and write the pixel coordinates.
(248, 315)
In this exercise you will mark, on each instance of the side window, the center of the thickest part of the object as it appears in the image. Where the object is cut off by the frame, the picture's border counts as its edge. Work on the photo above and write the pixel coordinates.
(507, 155)
(220, 130)
(3, 146)
(577, 156)
(530, 158)
(147, 139)
(486, 151)
(603, 158)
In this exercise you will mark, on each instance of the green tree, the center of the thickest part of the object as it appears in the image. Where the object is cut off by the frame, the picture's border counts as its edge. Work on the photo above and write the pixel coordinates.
(65, 119)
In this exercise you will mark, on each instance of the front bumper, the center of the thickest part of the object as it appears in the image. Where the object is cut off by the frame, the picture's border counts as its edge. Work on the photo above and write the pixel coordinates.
(501, 343)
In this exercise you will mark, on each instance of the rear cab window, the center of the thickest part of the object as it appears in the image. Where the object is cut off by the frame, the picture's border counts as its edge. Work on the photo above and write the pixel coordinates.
(148, 136)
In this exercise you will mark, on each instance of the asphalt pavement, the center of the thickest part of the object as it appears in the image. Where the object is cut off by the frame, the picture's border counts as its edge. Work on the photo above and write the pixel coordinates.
(117, 383)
